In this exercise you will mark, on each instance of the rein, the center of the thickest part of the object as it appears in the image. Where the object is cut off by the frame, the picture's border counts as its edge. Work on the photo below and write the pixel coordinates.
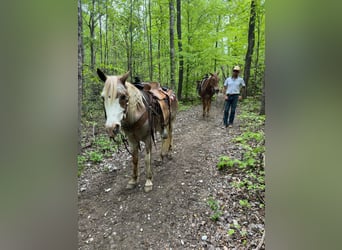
(125, 142)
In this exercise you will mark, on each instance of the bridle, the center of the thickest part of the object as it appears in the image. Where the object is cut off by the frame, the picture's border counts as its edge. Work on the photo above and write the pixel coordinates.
(122, 136)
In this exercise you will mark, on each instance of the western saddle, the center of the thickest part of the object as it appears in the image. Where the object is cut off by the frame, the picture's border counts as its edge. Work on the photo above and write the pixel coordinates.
(158, 101)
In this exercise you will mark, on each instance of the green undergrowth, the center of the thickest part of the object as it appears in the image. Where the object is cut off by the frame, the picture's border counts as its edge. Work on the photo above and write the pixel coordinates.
(101, 148)
(249, 166)
(188, 104)
(214, 206)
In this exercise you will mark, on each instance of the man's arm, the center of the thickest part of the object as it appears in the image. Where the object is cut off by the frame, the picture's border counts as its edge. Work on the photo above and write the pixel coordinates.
(225, 85)
(242, 92)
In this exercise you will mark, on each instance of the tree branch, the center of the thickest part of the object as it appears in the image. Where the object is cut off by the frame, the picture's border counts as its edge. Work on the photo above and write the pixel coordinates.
(261, 241)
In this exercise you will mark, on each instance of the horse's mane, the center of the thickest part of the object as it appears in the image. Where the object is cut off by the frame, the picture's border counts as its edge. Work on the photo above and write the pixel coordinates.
(210, 82)
(135, 97)
(113, 87)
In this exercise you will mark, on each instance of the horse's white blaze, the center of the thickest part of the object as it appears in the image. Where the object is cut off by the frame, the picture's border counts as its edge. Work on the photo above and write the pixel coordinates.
(115, 113)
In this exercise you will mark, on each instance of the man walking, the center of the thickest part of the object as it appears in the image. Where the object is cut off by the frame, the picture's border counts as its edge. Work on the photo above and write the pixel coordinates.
(231, 89)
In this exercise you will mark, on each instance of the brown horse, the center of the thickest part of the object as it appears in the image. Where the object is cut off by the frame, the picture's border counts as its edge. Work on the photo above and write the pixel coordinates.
(208, 88)
(129, 109)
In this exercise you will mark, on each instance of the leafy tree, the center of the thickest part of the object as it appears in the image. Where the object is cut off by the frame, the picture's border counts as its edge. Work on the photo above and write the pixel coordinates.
(211, 36)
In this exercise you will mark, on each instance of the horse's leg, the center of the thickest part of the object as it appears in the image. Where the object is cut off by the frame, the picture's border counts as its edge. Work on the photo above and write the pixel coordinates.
(170, 140)
(208, 107)
(165, 146)
(148, 168)
(204, 106)
(135, 175)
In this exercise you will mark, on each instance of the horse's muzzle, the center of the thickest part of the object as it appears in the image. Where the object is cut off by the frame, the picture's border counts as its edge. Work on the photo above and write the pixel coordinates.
(113, 131)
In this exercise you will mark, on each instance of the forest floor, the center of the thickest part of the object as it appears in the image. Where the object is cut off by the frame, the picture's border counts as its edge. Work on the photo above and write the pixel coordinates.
(193, 205)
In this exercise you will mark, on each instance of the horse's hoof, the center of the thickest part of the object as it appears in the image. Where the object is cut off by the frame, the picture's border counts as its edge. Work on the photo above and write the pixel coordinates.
(130, 186)
(148, 186)
(148, 189)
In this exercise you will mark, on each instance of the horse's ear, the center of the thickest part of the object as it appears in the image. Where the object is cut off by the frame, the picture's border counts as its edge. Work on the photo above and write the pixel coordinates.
(102, 75)
(211, 73)
(124, 77)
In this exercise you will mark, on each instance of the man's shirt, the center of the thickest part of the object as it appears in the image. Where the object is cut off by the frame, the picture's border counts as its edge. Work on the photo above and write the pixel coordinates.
(234, 85)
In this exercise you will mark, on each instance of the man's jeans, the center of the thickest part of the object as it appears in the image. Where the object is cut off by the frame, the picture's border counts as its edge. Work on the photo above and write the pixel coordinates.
(231, 104)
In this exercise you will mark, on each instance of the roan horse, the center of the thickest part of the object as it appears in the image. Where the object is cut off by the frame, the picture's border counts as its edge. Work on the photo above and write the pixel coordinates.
(130, 109)
(208, 88)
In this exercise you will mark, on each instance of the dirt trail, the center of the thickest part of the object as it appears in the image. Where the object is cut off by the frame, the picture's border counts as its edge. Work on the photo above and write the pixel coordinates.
(175, 214)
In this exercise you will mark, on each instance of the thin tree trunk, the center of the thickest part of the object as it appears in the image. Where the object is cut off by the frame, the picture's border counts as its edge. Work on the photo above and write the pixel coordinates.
(91, 25)
(130, 52)
(159, 45)
(249, 53)
(101, 52)
(187, 59)
(159, 57)
(113, 46)
(93, 18)
(172, 45)
(257, 50)
(223, 73)
(80, 74)
(106, 36)
(150, 40)
(180, 49)
(147, 30)
(216, 42)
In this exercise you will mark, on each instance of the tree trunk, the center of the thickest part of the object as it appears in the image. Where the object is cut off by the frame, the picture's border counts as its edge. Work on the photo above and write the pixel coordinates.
(159, 44)
(80, 75)
(180, 49)
(113, 46)
(216, 42)
(101, 52)
(223, 73)
(257, 49)
(106, 37)
(130, 49)
(159, 57)
(249, 54)
(91, 25)
(150, 40)
(187, 64)
(172, 45)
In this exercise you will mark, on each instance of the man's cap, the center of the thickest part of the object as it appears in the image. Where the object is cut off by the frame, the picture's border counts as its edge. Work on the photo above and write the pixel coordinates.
(236, 68)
